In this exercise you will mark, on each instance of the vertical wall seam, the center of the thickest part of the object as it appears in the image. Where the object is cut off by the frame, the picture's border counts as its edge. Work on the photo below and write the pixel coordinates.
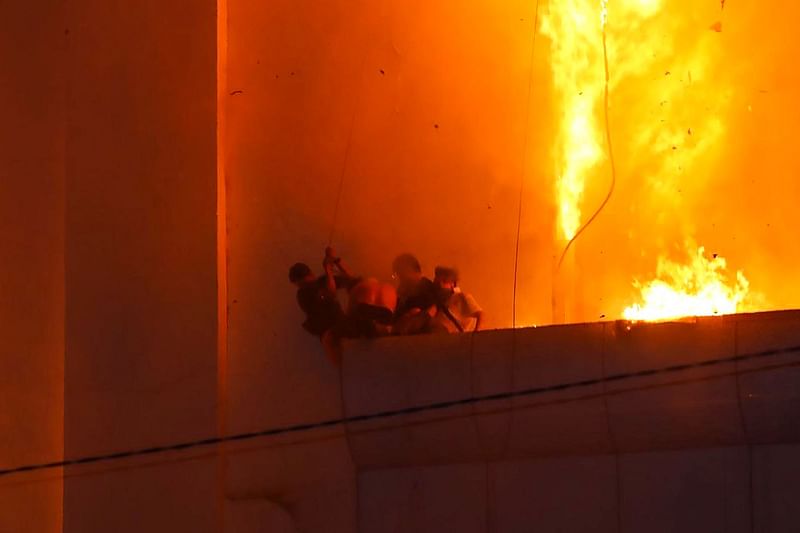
(222, 256)
(489, 496)
(743, 422)
(611, 436)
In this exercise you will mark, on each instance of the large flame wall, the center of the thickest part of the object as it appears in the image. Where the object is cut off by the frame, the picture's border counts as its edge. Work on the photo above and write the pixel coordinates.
(703, 115)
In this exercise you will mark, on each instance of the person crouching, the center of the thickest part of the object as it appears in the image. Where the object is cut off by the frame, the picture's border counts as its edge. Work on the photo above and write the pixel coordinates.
(456, 311)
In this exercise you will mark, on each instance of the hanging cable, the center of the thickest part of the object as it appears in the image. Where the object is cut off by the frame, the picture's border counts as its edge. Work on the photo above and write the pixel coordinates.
(524, 165)
(346, 159)
(527, 392)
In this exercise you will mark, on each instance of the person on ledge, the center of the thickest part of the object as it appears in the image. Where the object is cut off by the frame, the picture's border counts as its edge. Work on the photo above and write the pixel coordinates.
(416, 297)
(370, 309)
(317, 296)
(456, 311)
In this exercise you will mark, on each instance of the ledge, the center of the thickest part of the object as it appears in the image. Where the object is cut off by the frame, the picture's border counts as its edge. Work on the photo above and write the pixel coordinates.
(744, 402)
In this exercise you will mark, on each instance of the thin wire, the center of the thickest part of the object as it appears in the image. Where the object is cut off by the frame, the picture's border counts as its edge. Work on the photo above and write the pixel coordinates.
(395, 413)
(610, 157)
(524, 165)
(346, 157)
(460, 415)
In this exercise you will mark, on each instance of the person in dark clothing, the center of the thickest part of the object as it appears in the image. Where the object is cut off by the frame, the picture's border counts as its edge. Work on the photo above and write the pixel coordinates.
(370, 308)
(317, 295)
(416, 296)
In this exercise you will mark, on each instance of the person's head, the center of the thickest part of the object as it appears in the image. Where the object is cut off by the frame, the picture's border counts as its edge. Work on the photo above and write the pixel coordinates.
(406, 269)
(300, 273)
(446, 278)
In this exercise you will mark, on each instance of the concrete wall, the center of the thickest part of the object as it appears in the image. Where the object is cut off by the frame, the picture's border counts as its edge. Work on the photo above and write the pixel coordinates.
(141, 278)
(710, 448)
(109, 279)
(31, 267)
(678, 491)
(426, 100)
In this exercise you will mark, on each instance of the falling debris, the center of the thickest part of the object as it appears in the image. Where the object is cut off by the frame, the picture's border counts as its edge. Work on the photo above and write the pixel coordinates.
(717, 26)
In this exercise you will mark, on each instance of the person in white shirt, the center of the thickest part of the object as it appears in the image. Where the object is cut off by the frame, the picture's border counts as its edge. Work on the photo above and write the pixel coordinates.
(455, 311)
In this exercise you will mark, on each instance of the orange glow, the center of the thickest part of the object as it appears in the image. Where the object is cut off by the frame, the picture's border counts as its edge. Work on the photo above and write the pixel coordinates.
(678, 146)
(700, 287)
(673, 131)
(575, 30)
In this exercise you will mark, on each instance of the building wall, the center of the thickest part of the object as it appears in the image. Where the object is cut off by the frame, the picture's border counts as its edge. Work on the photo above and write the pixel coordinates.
(141, 274)
(710, 447)
(695, 490)
(422, 112)
(31, 263)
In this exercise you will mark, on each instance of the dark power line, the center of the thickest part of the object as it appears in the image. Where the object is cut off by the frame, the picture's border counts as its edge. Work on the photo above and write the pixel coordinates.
(393, 413)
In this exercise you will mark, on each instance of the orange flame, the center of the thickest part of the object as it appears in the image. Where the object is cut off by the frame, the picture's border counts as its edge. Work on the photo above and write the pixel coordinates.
(575, 30)
(673, 129)
(700, 288)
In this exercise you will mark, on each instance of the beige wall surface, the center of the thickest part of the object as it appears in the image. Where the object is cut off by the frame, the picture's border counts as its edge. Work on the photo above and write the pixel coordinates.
(31, 262)
(141, 286)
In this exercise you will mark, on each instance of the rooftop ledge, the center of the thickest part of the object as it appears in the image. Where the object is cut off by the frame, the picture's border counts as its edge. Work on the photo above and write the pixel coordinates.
(753, 401)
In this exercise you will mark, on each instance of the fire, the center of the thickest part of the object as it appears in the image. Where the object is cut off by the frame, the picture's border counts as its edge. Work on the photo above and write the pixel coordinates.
(575, 30)
(700, 288)
(670, 125)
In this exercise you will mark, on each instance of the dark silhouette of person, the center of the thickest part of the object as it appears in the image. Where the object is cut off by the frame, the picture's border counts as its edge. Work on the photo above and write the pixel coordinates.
(370, 309)
(416, 296)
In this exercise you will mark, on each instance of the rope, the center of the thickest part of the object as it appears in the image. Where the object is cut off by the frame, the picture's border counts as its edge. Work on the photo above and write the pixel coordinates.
(611, 160)
(346, 159)
(394, 413)
(524, 164)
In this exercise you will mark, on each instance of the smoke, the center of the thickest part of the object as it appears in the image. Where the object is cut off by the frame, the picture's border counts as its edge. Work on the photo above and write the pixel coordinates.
(703, 121)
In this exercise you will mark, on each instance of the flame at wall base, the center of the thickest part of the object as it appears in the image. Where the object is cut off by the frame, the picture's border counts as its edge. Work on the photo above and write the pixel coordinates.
(699, 288)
